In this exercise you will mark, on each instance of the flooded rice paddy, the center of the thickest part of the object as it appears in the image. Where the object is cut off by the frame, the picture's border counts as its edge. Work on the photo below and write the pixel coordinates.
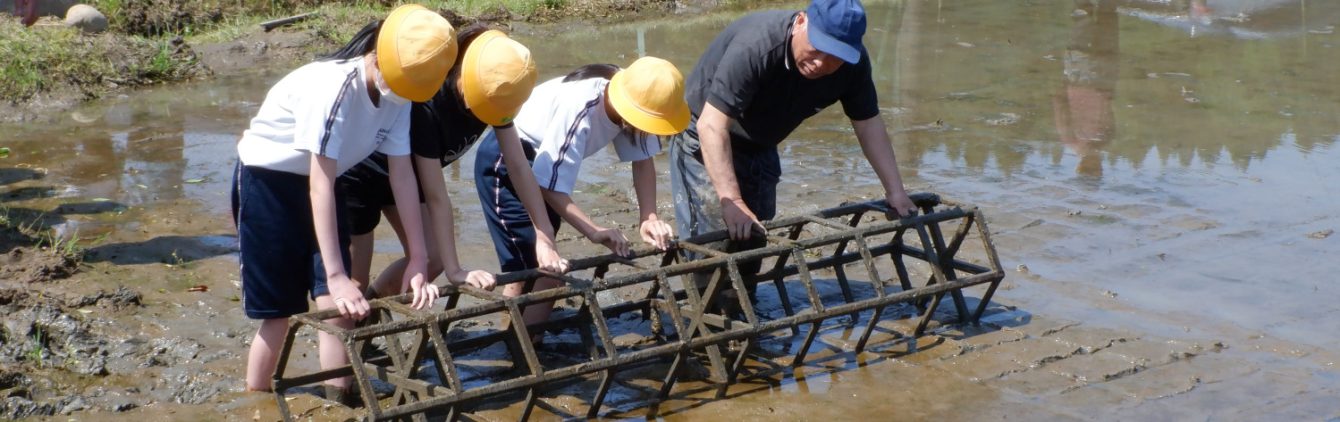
(1159, 177)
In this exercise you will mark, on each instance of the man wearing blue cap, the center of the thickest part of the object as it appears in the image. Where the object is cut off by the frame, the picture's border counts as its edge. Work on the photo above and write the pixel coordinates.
(762, 76)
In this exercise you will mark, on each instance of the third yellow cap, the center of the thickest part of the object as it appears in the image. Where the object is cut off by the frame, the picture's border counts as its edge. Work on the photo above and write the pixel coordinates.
(649, 94)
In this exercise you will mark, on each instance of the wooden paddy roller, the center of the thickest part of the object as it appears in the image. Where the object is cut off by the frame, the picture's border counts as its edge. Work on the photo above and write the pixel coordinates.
(685, 323)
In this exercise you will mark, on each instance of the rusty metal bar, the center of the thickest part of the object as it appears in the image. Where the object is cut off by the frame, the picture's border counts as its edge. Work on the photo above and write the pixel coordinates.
(696, 248)
(475, 343)
(697, 325)
(863, 248)
(628, 279)
(661, 350)
(780, 282)
(937, 238)
(282, 366)
(985, 234)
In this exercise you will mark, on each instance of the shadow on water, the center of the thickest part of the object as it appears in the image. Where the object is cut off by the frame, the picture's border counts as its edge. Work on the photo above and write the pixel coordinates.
(28, 223)
(13, 175)
(123, 167)
(173, 250)
(636, 387)
(23, 226)
(28, 193)
(828, 361)
(86, 208)
(772, 367)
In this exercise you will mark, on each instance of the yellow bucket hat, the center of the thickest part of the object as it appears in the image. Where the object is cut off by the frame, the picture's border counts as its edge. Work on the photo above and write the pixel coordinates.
(497, 75)
(415, 49)
(649, 95)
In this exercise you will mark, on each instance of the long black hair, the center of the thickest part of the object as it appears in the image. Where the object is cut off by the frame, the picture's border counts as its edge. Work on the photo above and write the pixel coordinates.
(362, 43)
(365, 41)
(464, 37)
(597, 70)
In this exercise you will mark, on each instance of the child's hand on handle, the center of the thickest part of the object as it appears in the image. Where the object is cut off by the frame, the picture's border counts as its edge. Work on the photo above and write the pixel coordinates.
(348, 298)
(657, 233)
(611, 238)
(424, 293)
(550, 262)
(477, 278)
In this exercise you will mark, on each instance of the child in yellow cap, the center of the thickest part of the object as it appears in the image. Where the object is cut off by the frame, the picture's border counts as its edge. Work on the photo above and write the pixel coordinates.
(316, 123)
(564, 121)
(491, 79)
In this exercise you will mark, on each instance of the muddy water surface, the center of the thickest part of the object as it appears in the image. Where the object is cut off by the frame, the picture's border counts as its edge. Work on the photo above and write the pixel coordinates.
(1159, 178)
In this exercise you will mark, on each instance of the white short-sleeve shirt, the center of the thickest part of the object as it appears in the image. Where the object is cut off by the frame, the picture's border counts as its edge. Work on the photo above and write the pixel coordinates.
(323, 108)
(566, 122)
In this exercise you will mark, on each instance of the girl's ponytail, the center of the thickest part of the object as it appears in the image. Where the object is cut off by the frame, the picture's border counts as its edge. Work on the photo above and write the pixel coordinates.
(362, 44)
(598, 70)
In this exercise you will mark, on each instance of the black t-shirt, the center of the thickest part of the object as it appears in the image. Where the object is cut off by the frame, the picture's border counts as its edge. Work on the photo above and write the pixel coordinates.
(748, 73)
(442, 128)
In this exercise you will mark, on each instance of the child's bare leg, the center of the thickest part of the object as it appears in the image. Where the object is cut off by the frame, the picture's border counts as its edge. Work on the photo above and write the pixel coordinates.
(329, 349)
(264, 355)
(360, 254)
(539, 312)
(388, 283)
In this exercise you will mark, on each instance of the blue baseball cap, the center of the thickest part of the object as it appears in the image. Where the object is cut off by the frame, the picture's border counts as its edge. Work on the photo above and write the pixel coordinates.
(836, 27)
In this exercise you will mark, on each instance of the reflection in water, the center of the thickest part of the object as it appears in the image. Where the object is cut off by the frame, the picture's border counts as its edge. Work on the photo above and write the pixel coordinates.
(1083, 107)
(151, 159)
(1247, 19)
(113, 160)
(1129, 89)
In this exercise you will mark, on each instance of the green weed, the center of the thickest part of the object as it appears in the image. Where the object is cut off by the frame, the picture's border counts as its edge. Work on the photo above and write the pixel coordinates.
(161, 64)
(176, 261)
(61, 246)
(29, 228)
(340, 20)
(71, 356)
(39, 59)
(38, 351)
(231, 28)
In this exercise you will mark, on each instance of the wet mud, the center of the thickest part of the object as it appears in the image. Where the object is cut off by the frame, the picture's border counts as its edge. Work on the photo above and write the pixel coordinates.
(1159, 185)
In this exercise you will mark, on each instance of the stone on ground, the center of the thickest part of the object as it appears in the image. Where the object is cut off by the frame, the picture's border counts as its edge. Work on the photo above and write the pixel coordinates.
(86, 18)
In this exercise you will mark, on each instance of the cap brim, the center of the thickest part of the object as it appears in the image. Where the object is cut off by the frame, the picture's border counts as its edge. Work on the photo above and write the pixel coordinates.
(669, 124)
(825, 43)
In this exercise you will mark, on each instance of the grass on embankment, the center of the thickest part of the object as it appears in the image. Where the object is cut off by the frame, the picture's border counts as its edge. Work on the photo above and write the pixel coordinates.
(237, 19)
(138, 48)
(43, 58)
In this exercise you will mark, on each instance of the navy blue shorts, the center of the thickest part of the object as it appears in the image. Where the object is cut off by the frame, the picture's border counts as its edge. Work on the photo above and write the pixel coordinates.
(367, 191)
(367, 188)
(509, 224)
(281, 262)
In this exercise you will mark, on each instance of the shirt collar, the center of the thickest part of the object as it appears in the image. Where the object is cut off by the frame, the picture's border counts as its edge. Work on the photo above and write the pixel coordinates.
(789, 61)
